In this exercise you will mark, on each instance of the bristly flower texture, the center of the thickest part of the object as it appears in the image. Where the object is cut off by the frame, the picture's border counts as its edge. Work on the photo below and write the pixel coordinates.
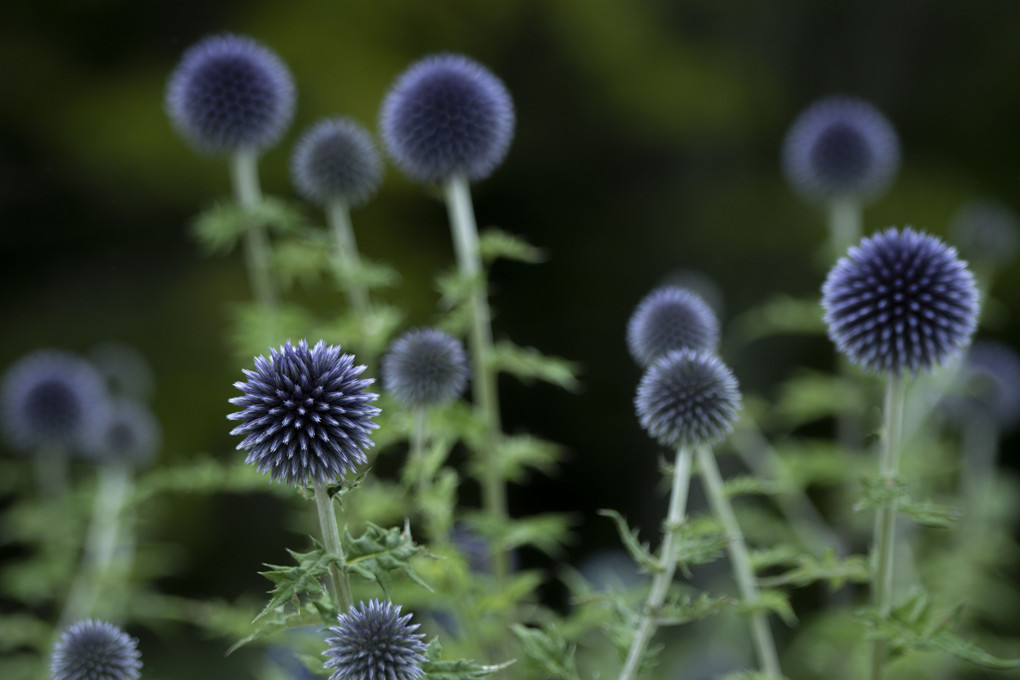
(425, 367)
(305, 414)
(229, 93)
(336, 159)
(670, 318)
(50, 397)
(126, 433)
(841, 147)
(447, 115)
(95, 650)
(899, 301)
(687, 398)
(374, 642)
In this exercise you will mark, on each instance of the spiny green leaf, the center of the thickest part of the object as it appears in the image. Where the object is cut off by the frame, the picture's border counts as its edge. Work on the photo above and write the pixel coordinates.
(780, 315)
(547, 532)
(546, 650)
(805, 462)
(699, 540)
(527, 363)
(774, 556)
(931, 514)
(829, 567)
(638, 550)
(771, 601)
(519, 453)
(219, 227)
(367, 274)
(495, 243)
(302, 260)
(684, 609)
(255, 329)
(202, 475)
(369, 334)
(749, 484)
(461, 669)
(294, 583)
(379, 551)
(878, 491)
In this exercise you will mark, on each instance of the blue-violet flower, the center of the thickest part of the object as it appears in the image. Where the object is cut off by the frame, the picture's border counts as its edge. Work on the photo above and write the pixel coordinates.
(95, 650)
(374, 642)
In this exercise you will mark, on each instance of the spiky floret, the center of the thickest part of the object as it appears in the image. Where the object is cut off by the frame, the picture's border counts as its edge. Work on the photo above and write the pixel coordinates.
(841, 147)
(447, 115)
(899, 301)
(670, 318)
(425, 367)
(374, 642)
(305, 416)
(50, 397)
(127, 433)
(986, 231)
(687, 397)
(336, 159)
(95, 650)
(229, 93)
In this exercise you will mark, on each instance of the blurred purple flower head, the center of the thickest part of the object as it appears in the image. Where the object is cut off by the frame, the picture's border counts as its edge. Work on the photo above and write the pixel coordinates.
(425, 367)
(336, 159)
(95, 650)
(374, 642)
(670, 318)
(127, 432)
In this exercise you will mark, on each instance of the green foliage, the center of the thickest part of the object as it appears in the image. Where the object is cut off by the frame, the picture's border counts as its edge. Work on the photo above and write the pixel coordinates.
(219, 228)
(774, 601)
(495, 244)
(781, 315)
(743, 485)
(638, 551)
(829, 567)
(810, 396)
(437, 668)
(378, 551)
(547, 532)
(203, 475)
(547, 652)
(681, 609)
(876, 492)
(527, 364)
(518, 454)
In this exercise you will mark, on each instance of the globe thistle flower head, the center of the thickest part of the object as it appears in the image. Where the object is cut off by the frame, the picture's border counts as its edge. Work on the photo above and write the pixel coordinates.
(447, 115)
(336, 159)
(687, 397)
(374, 642)
(990, 377)
(127, 433)
(229, 93)
(841, 147)
(899, 301)
(95, 650)
(670, 318)
(425, 367)
(50, 397)
(986, 231)
(305, 415)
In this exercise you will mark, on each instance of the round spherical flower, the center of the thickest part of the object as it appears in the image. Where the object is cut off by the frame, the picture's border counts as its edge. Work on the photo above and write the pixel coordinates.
(48, 398)
(841, 147)
(425, 367)
(229, 93)
(986, 231)
(95, 650)
(374, 642)
(336, 160)
(305, 416)
(900, 300)
(687, 397)
(447, 115)
(670, 318)
(126, 432)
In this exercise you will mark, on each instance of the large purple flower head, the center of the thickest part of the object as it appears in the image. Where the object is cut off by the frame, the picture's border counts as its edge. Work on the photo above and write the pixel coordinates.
(336, 159)
(95, 650)
(447, 115)
(49, 398)
(305, 415)
(687, 397)
(229, 93)
(126, 433)
(374, 642)
(425, 367)
(986, 231)
(670, 318)
(841, 147)
(901, 300)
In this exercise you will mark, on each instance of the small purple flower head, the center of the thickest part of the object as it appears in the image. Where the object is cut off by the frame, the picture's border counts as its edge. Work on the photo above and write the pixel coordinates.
(841, 147)
(125, 369)
(990, 376)
(374, 642)
(670, 318)
(336, 159)
(986, 231)
(228, 93)
(447, 115)
(305, 415)
(50, 397)
(425, 367)
(900, 300)
(95, 650)
(687, 397)
(127, 433)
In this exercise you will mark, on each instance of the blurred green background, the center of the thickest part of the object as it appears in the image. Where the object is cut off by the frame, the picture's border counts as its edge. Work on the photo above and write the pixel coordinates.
(647, 143)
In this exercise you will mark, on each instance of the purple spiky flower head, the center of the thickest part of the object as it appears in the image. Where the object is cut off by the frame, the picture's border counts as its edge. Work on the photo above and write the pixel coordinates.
(230, 93)
(125, 433)
(50, 398)
(425, 367)
(336, 160)
(374, 642)
(687, 397)
(95, 650)
(986, 231)
(900, 300)
(841, 147)
(447, 115)
(305, 416)
(670, 318)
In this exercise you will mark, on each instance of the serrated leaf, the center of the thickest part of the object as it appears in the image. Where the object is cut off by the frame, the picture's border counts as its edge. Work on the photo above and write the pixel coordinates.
(681, 610)
(699, 540)
(743, 485)
(202, 475)
(773, 557)
(494, 244)
(255, 329)
(638, 550)
(367, 274)
(379, 551)
(546, 650)
(302, 260)
(548, 532)
(781, 315)
(294, 583)
(519, 453)
(804, 462)
(774, 601)
(437, 668)
(809, 569)
(527, 364)
(811, 395)
(930, 514)
(220, 227)
(876, 492)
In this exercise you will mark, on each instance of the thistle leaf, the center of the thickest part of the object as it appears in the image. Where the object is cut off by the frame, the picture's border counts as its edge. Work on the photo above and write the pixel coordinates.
(379, 551)
(547, 651)
(829, 567)
(461, 669)
(639, 551)
(527, 364)
(495, 244)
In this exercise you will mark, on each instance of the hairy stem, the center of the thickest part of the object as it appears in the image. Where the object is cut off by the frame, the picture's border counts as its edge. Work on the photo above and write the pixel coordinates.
(338, 215)
(244, 178)
(339, 583)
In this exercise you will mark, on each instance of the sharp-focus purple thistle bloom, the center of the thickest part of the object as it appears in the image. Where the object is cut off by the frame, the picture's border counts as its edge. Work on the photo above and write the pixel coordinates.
(686, 398)
(900, 300)
(425, 367)
(670, 318)
(447, 115)
(127, 432)
(986, 231)
(990, 375)
(230, 93)
(50, 397)
(841, 147)
(305, 415)
(95, 650)
(336, 159)
(374, 642)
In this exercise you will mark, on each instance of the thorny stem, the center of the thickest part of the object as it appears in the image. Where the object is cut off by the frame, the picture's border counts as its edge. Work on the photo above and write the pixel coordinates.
(244, 178)
(339, 584)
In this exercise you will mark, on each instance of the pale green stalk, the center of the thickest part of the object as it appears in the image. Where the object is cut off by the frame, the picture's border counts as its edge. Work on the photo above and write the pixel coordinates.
(338, 216)
(244, 178)
(50, 462)
(844, 224)
(339, 583)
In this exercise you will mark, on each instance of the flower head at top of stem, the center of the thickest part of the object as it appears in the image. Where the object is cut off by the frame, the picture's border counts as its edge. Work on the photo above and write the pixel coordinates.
(372, 641)
(95, 650)
(425, 367)
(335, 159)
(126, 432)
(670, 318)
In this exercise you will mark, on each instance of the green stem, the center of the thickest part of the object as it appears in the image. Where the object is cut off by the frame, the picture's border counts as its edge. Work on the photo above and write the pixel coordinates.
(338, 215)
(844, 225)
(667, 563)
(764, 646)
(50, 462)
(339, 584)
(244, 178)
(885, 520)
